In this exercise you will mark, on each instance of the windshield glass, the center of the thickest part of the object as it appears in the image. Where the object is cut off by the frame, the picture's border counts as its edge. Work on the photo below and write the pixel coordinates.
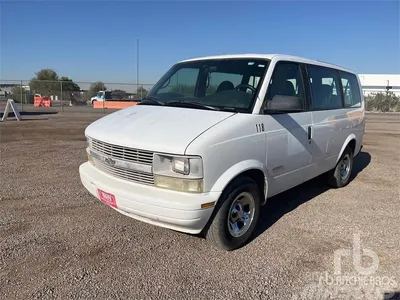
(225, 84)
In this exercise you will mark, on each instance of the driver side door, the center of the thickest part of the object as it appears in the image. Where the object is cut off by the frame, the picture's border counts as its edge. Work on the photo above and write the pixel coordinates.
(288, 135)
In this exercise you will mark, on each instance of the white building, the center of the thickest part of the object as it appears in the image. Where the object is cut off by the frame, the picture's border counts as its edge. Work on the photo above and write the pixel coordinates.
(373, 83)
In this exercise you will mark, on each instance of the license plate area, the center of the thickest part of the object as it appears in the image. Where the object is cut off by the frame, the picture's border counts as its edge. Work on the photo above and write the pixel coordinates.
(107, 198)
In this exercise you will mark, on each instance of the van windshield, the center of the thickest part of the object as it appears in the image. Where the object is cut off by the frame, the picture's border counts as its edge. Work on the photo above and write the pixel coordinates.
(221, 84)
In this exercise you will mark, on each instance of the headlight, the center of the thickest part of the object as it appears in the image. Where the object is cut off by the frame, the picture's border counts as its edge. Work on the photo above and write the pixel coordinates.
(181, 165)
(188, 167)
(181, 173)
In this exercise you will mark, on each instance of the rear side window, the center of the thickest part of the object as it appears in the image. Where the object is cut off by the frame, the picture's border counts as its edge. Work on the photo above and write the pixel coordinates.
(286, 81)
(351, 90)
(324, 83)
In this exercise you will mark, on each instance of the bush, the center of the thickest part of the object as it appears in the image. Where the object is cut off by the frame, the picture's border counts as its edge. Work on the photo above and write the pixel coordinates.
(385, 102)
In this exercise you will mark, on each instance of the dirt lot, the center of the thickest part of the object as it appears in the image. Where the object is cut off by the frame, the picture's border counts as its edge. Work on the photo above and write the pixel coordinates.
(57, 241)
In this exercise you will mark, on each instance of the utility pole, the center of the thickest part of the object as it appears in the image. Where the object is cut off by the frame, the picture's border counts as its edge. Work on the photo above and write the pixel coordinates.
(137, 68)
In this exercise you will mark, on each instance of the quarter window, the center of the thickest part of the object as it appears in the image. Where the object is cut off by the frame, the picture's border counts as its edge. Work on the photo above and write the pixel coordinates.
(324, 83)
(351, 90)
(286, 81)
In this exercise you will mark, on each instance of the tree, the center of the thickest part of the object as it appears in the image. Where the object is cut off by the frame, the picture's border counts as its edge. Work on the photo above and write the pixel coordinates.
(69, 85)
(118, 94)
(95, 87)
(18, 93)
(382, 102)
(45, 83)
(183, 89)
(141, 92)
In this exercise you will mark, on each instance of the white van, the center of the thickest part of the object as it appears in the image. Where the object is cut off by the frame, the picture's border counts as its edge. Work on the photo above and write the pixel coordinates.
(217, 136)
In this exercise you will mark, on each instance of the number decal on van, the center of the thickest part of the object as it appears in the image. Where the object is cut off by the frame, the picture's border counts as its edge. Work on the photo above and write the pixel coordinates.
(260, 127)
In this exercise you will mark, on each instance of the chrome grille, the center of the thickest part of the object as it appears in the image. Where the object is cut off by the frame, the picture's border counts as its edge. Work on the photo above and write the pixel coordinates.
(122, 153)
(145, 178)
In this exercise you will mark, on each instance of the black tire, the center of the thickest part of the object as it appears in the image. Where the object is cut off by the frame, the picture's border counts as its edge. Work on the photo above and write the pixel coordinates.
(335, 177)
(219, 231)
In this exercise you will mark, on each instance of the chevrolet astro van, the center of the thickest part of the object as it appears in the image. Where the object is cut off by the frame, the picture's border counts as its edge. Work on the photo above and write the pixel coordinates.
(217, 136)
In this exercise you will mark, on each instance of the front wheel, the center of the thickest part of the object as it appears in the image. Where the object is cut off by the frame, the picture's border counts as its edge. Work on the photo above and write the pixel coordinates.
(340, 175)
(236, 216)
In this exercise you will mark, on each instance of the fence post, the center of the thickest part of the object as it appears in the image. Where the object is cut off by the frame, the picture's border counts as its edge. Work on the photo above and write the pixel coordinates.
(21, 93)
(61, 95)
(104, 99)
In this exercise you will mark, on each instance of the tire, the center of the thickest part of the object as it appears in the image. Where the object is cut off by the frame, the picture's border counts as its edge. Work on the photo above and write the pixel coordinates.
(93, 102)
(340, 175)
(227, 230)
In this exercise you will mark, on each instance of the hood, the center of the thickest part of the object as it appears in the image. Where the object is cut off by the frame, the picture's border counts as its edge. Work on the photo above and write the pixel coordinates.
(154, 128)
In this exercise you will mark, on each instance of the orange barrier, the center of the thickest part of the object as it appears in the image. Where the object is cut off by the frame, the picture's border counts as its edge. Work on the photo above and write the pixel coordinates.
(114, 104)
(42, 101)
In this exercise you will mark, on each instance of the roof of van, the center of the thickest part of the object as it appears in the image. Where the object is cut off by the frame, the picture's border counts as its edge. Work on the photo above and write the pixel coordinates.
(271, 56)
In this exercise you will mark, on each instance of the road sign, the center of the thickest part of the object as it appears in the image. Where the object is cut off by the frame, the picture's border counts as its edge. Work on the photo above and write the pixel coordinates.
(11, 105)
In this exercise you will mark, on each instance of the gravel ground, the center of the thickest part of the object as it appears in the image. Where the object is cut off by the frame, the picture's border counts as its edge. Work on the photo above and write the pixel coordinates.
(57, 241)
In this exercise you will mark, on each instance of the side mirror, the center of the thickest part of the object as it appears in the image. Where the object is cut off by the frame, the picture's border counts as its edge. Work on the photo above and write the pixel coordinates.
(282, 104)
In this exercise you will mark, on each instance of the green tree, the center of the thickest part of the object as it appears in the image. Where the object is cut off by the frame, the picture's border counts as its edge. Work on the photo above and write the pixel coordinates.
(95, 87)
(185, 89)
(382, 102)
(141, 92)
(69, 85)
(45, 83)
(18, 93)
(118, 94)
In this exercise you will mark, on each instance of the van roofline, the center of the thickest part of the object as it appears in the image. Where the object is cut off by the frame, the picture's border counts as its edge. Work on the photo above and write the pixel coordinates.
(272, 56)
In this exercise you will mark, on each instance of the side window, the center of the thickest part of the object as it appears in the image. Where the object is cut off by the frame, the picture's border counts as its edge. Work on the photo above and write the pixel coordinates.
(222, 81)
(324, 83)
(286, 80)
(351, 90)
(182, 82)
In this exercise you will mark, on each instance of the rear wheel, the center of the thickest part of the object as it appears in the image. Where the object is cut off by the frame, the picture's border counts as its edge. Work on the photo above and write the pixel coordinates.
(236, 216)
(340, 175)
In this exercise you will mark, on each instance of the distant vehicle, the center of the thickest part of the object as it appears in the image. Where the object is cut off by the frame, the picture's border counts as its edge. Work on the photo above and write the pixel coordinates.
(101, 96)
(110, 96)
(217, 136)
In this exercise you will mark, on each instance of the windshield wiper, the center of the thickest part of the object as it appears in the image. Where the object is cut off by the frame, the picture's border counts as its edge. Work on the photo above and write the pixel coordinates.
(150, 100)
(190, 105)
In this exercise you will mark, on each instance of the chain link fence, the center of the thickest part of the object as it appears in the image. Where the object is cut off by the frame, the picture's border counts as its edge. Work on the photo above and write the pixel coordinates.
(65, 94)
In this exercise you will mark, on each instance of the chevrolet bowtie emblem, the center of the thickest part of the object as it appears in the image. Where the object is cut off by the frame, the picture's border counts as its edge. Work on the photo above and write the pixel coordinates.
(109, 161)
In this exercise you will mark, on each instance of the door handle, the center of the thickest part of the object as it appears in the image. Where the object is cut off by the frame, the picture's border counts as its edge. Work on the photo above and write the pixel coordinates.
(309, 132)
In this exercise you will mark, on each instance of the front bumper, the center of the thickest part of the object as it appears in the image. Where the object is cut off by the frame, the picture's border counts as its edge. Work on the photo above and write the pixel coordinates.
(170, 209)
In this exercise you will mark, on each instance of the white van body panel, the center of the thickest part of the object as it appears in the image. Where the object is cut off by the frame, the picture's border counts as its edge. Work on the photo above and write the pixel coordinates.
(288, 152)
(159, 129)
(229, 148)
(277, 146)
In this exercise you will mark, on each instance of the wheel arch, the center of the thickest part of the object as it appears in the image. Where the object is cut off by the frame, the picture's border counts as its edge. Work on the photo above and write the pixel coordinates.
(350, 141)
(251, 168)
